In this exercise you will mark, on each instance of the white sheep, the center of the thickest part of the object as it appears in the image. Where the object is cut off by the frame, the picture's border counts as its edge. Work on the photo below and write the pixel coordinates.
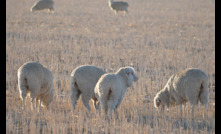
(43, 4)
(36, 81)
(118, 6)
(83, 81)
(111, 88)
(188, 85)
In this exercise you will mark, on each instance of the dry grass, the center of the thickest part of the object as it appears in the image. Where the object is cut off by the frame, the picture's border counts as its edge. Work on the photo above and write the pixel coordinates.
(157, 38)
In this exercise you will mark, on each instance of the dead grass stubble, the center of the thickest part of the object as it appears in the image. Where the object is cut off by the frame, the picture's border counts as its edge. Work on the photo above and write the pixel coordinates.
(159, 39)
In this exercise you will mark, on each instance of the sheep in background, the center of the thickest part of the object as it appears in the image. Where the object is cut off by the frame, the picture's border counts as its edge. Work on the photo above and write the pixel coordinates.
(111, 88)
(43, 4)
(36, 81)
(83, 81)
(187, 85)
(118, 6)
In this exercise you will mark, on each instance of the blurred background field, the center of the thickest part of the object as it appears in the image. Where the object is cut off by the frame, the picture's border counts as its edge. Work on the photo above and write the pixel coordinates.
(157, 38)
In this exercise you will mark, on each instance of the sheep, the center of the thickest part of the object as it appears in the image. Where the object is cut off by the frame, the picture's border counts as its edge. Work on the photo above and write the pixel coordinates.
(190, 85)
(43, 4)
(111, 88)
(118, 6)
(36, 81)
(83, 81)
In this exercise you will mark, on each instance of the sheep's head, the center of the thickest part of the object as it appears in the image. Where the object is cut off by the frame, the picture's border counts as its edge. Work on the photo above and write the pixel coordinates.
(162, 99)
(129, 74)
(157, 101)
(34, 8)
(48, 98)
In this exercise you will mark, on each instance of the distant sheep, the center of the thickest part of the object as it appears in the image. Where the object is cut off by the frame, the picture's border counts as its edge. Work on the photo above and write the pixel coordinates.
(118, 6)
(43, 4)
(83, 81)
(187, 85)
(36, 81)
(111, 88)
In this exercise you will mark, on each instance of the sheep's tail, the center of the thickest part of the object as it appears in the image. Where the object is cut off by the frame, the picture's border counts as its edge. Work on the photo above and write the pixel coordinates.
(204, 93)
(74, 93)
(22, 85)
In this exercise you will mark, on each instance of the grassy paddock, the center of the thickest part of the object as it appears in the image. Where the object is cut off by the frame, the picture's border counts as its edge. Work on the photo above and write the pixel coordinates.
(157, 38)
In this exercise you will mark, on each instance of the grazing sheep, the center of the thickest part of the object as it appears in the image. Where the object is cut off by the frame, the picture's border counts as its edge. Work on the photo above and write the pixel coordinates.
(83, 81)
(43, 4)
(37, 82)
(118, 6)
(188, 85)
(111, 88)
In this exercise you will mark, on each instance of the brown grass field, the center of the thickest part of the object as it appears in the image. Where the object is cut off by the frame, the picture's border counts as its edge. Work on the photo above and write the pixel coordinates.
(157, 38)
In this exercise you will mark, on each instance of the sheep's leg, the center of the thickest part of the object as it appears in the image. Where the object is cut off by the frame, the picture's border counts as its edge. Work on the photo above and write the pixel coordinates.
(193, 120)
(126, 11)
(39, 106)
(192, 111)
(23, 101)
(181, 115)
(204, 113)
(23, 95)
(33, 96)
(111, 104)
(181, 111)
(37, 102)
(74, 97)
(103, 102)
(49, 107)
(116, 113)
(109, 112)
(51, 9)
(96, 103)
(34, 90)
(33, 104)
(85, 100)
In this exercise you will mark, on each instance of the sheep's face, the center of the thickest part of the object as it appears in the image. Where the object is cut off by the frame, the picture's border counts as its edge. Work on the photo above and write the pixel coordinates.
(131, 76)
(48, 99)
(33, 9)
(162, 99)
(157, 102)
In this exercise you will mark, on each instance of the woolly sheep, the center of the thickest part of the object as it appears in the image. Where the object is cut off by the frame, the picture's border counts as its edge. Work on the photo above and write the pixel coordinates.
(188, 85)
(111, 88)
(118, 6)
(43, 4)
(83, 81)
(36, 81)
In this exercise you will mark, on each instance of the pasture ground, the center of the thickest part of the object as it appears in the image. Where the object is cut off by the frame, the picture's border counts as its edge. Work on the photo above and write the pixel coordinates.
(157, 38)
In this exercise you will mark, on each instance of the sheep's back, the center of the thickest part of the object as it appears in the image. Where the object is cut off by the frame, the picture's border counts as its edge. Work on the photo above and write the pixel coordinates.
(109, 82)
(119, 5)
(43, 4)
(86, 77)
(186, 82)
(47, 79)
(32, 70)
